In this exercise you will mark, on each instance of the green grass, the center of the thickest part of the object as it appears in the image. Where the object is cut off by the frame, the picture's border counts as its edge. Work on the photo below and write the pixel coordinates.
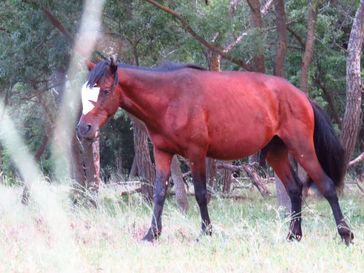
(249, 236)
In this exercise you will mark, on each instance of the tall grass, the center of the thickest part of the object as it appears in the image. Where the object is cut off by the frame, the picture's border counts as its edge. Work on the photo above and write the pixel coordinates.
(249, 236)
(57, 246)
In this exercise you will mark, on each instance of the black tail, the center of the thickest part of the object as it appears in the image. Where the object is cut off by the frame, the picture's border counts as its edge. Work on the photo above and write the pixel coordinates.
(328, 148)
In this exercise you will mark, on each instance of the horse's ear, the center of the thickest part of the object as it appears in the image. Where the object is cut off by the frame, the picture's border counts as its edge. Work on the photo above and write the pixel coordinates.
(90, 65)
(113, 66)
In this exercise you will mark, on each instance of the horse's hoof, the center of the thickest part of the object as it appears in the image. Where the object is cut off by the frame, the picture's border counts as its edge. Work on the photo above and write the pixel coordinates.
(348, 238)
(151, 236)
(346, 235)
(294, 236)
(204, 232)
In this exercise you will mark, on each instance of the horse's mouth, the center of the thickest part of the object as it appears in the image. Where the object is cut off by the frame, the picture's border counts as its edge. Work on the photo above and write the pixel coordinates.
(94, 137)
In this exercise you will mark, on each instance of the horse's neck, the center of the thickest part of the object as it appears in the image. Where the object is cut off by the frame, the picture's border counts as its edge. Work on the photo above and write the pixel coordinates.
(143, 95)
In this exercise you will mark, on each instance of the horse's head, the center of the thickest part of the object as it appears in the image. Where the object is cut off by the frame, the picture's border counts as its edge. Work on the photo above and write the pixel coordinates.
(100, 98)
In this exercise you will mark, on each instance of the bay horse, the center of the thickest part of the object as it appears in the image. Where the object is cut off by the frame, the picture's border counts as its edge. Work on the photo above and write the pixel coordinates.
(224, 115)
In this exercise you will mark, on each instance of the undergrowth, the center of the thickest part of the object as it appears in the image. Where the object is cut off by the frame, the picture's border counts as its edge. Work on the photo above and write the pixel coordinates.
(248, 236)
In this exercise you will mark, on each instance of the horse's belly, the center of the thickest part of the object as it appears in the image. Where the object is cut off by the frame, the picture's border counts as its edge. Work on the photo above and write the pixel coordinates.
(231, 151)
(229, 144)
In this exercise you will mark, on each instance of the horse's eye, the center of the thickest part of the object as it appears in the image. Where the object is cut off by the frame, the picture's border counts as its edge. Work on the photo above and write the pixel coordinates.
(105, 91)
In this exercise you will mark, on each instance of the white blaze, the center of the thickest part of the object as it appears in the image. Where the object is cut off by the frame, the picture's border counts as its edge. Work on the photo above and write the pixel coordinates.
(89, 97)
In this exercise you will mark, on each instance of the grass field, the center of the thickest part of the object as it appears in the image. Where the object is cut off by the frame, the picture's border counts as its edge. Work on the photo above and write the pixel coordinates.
(249, 236)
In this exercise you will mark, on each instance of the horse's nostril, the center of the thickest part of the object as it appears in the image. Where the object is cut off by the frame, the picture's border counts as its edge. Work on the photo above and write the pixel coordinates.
(83, 129)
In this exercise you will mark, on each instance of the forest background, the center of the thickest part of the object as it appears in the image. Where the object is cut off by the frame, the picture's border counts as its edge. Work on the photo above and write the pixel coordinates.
(303, 41)
(315, 44)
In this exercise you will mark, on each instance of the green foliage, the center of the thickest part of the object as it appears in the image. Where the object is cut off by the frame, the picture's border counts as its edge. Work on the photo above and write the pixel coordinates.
(32, 50)
(116, 144)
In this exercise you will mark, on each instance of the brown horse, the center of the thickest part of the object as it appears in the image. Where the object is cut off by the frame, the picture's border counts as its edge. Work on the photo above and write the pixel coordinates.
(226, 115)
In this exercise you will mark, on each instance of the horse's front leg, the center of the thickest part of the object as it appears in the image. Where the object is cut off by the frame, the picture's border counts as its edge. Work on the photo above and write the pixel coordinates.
(163, 168)
(198, 169)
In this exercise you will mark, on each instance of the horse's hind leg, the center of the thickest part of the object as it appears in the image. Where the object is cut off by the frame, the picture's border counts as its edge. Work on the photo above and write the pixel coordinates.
(304, 152)
(277, 157)
(327, 188)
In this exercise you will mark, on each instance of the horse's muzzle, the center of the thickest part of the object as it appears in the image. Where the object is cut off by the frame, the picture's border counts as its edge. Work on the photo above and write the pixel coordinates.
(85, 131)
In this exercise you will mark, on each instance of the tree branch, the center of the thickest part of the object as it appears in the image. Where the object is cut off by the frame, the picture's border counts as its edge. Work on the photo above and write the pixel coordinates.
(200, 39)
(249, 170)
(266, 6)
(297, 37)
(235, 43)
(356, 160)
(58, 25)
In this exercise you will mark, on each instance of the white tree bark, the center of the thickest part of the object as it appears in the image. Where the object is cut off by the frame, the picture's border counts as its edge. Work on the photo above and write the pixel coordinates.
(354, 88)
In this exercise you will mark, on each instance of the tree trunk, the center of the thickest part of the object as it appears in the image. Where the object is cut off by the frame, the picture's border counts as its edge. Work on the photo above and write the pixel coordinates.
(43, 144)
(142, 163)
(85, 170)
(145, 168)
(282, 196)
(226, 179)
(354, 88)
(179, 185)
(77, 172)
(258, 59)
(215, 65)
(257, 23)
(210, 176)
(309, 45)
(91, 161)
(329, 99)
(215, 62)
(282, 38)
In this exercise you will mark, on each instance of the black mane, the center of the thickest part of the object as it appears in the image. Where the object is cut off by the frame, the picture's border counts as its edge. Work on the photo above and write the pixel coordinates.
(97, 73)
(101, 69)
(171, 66)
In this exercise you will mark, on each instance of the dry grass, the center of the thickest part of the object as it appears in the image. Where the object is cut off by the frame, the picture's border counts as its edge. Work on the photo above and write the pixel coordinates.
(249, 236)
